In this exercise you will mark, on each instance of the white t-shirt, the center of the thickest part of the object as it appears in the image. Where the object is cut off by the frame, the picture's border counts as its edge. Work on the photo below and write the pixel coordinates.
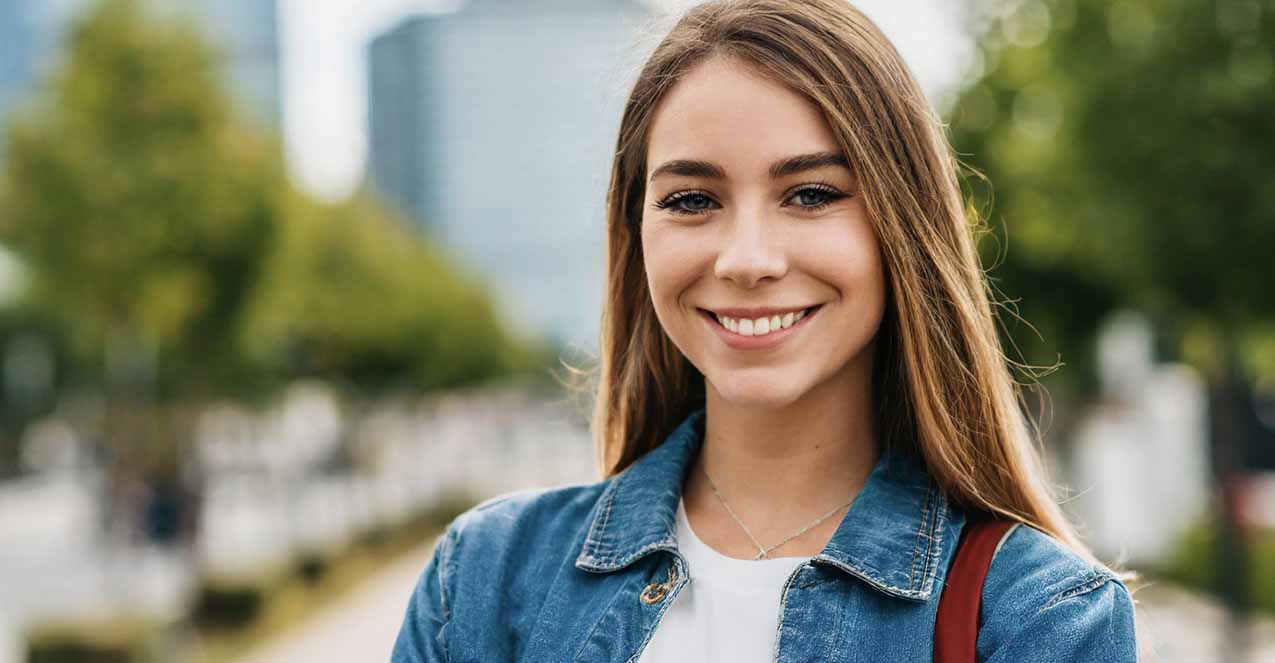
(727, 612)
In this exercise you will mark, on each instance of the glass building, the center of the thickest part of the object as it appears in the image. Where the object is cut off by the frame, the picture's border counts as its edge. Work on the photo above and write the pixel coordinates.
(493, 128)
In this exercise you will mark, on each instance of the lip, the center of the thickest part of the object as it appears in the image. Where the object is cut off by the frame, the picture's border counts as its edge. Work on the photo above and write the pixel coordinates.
(771, 340)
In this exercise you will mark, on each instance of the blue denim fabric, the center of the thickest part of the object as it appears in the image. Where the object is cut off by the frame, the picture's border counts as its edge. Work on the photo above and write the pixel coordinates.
(558, 575)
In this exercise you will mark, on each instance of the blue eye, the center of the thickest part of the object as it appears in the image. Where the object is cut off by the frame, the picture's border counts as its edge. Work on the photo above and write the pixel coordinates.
(674, 202)
(811, 198)
(823, 196)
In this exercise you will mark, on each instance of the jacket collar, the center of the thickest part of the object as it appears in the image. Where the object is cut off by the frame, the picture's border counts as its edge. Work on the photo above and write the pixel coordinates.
(893, 536)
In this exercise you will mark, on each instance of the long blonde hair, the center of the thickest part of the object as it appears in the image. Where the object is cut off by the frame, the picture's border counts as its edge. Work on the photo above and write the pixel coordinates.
(944, 388)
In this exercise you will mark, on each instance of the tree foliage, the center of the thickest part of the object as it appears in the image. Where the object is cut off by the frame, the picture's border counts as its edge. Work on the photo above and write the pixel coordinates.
(1129, 151)
(353, 292)
(149, 216)
(139, 208)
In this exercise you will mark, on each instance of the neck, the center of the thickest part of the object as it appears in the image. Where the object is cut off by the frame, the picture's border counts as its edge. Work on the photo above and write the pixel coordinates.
(781, 468)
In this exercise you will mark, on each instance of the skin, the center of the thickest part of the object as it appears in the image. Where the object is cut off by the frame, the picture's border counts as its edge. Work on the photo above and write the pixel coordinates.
(790, 431)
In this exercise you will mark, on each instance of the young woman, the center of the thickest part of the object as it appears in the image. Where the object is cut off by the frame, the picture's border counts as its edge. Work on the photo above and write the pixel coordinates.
(802, 400)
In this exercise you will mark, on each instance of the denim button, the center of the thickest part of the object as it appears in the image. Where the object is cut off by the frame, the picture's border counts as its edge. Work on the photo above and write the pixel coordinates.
(653, 593)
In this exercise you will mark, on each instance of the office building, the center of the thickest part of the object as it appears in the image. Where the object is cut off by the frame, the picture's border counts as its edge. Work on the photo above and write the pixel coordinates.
(493, 128)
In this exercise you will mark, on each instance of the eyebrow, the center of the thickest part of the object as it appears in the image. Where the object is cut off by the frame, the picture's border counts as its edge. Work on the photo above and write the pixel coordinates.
(782, 168)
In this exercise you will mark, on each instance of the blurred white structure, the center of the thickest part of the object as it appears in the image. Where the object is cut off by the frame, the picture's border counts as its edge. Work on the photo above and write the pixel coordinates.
(306, 475)
(271, 491)
(1260, 511)
(12, 648)
(1141, 466)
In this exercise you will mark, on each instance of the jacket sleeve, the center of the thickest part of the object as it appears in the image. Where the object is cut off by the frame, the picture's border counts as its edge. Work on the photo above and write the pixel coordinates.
(1089, 622)
(421, 638)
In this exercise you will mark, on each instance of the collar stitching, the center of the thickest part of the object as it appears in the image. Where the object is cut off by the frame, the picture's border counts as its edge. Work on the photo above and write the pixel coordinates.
(861, 569)
(929, 529)
(596, 540)
(920, 534)
(934, 544)
(612, 563)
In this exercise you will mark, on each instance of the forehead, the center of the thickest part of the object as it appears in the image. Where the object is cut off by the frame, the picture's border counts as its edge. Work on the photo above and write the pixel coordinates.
(725, 111)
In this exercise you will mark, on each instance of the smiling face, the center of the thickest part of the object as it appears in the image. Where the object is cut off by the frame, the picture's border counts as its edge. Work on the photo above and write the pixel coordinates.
(751, 213)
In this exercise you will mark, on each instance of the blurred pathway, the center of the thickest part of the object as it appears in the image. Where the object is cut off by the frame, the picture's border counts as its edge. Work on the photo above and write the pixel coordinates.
(361, 626)
(1177, 626)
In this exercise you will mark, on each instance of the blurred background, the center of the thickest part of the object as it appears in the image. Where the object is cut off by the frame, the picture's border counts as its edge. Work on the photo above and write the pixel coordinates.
(285, 285)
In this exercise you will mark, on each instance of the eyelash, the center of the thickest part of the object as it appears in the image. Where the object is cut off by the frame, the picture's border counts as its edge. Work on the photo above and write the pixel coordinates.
(669, 202)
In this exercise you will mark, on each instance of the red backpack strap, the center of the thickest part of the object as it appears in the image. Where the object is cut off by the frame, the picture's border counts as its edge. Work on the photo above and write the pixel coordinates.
(956, 631)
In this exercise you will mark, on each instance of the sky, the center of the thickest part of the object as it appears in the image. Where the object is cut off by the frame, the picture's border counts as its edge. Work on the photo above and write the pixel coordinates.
(325, 78)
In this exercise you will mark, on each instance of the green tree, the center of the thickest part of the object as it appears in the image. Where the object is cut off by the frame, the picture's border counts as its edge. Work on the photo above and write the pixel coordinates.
(160, 232)
(353, 293)
(142, 211)
(1129, 149)
(163, 232)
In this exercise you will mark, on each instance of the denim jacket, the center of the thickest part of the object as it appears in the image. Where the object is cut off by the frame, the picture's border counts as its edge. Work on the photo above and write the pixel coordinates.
(585, 572)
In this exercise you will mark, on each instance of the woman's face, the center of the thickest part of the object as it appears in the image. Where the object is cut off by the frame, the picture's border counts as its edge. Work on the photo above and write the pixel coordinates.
(752, 216)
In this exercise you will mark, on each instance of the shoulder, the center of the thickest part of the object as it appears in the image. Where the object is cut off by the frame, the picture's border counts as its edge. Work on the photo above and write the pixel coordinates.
(1043, 601)
(1032, 563)
(505, 518)
(518, 533)
(498, 549)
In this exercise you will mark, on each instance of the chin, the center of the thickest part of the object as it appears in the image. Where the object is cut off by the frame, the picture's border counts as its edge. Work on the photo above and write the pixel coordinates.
(756, 392)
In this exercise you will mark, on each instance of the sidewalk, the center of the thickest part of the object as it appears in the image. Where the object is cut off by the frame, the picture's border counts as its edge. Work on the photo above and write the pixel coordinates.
(1176, 626)
(361, 626)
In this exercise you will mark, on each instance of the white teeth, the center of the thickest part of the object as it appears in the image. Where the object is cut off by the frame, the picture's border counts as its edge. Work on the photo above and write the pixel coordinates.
(728, 323)
(760, 326)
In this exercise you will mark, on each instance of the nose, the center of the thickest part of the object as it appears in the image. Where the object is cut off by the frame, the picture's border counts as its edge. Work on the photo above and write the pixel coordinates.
(751, 250)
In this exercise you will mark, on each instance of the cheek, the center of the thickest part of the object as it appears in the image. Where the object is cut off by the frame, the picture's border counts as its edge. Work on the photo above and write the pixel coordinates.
(849, 259)
(671, 262)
